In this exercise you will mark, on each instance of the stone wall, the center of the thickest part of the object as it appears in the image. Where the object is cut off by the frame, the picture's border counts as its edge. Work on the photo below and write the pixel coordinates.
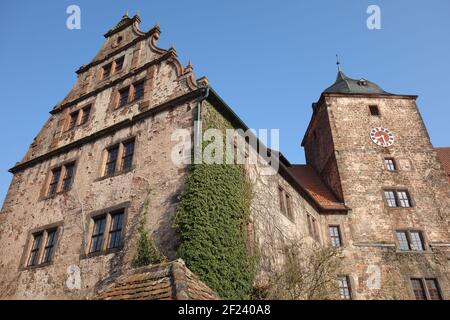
(369, 229)
(153, 177)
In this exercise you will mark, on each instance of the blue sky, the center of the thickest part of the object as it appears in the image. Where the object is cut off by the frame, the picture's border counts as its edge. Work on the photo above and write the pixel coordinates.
(268, 59)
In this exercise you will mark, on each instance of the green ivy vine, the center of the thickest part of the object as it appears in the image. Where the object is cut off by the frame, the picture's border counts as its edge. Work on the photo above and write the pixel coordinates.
(211, 218)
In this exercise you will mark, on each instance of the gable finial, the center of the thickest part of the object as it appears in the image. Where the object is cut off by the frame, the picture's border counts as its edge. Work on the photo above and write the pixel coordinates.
(338, 63)
(126, 14)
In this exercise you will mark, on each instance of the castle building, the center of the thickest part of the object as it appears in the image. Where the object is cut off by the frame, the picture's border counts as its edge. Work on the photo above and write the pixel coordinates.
(373, 186)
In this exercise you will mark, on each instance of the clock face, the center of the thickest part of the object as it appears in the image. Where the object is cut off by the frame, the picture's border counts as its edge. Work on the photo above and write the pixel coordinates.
(382, 137)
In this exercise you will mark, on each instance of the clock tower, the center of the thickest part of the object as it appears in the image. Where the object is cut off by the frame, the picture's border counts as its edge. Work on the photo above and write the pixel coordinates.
(372, 149)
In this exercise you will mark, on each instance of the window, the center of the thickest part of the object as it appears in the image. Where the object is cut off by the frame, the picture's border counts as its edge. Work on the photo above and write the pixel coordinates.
(138, 90)
(374, 111)
(107, 70)
(344, 288)
(118, 64)
(281, 199)
(73, 120)
(61, 179)
(335, 236)
(67, 181)
(97, 234)
(116, 230)
(403, 198)
(410, 240)
(390, 164)
(416, 240)
(426, 289)
(85, 113)
(397, 198)
(34, 253)
(285, 203)
(48, 249)
(111, 161)
(119, 158)
(131, 93)
(123, 96)
(53, 188)
(79, 117)
(42, 247)
(127, 157)
(112, 224)
(312, 227)
(433, 289)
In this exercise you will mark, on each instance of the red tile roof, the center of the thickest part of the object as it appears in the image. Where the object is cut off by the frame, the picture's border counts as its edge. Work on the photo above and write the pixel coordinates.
(308, 178)
(444, 156)
(165, 281)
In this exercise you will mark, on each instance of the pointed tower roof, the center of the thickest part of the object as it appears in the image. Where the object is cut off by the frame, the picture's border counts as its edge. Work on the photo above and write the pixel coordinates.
(344, 84)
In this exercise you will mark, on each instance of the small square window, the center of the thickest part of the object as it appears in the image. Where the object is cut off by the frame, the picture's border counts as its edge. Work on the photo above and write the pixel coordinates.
(119, 158)
(374, 111)
(107, 232)
(42, 247)
(390, 164)
(61, 179)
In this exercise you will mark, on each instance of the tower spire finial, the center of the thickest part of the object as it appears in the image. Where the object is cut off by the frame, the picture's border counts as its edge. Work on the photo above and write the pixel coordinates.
(338, 63)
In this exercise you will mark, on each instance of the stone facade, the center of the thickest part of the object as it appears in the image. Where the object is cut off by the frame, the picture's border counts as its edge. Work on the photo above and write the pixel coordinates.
(338, 149)
(369, 227)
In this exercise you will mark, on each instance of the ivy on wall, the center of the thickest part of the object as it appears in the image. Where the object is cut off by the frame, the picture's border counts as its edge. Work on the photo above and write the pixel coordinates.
(146, 252)
(211, 218)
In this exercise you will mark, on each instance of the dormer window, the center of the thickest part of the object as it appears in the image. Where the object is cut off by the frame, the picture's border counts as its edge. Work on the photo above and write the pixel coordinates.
(362, 82)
